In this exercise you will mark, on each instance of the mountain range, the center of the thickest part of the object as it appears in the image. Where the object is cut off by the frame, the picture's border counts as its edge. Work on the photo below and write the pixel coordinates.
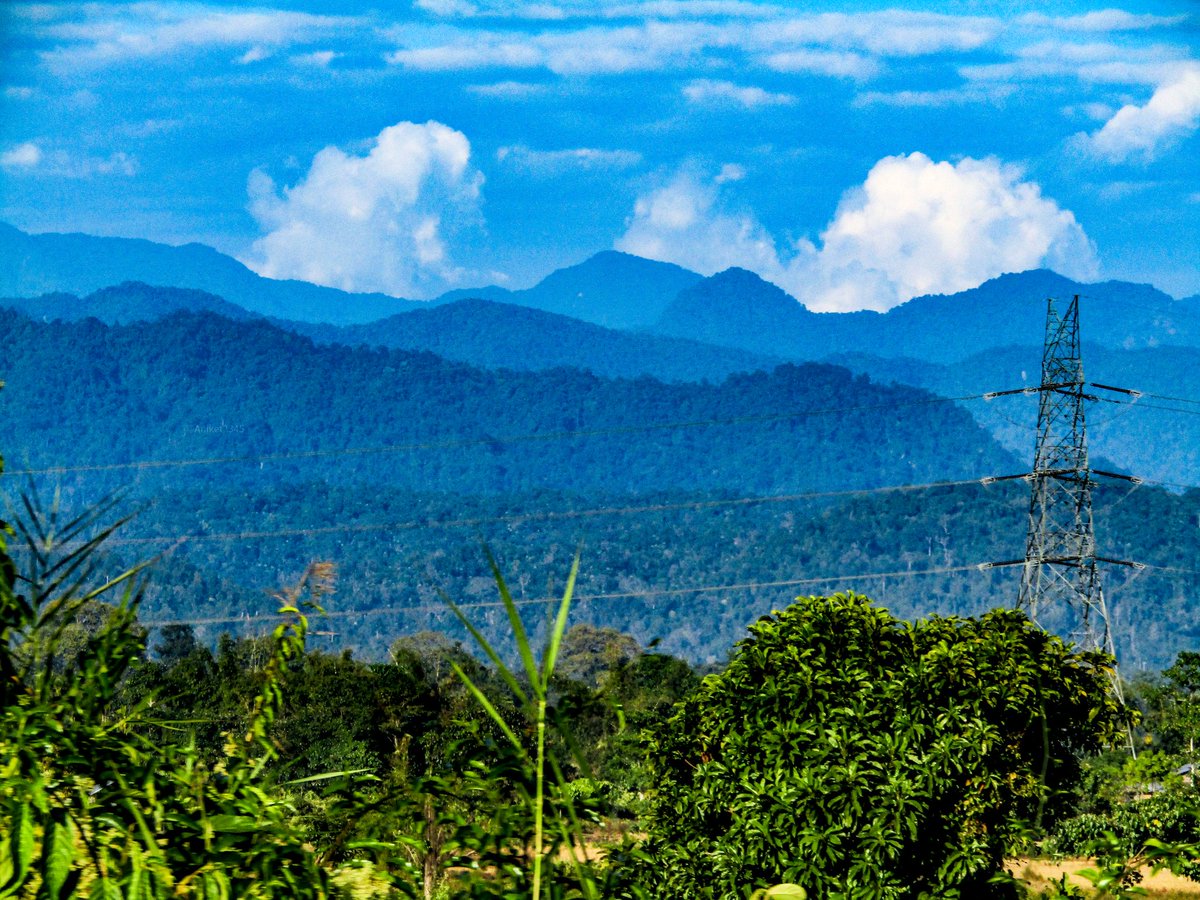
(732, 309)
(267, 421)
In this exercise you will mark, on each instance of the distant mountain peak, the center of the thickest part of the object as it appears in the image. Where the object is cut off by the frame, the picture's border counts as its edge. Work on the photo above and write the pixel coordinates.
(32, 265)
(610, 288)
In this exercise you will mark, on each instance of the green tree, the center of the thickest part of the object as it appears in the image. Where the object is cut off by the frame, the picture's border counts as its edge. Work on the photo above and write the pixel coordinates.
(1181, 702)
(589, 653)
(859, 756)
(175, 644)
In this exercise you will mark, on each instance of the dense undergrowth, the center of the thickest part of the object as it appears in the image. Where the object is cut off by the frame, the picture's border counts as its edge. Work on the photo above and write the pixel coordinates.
(841, 753)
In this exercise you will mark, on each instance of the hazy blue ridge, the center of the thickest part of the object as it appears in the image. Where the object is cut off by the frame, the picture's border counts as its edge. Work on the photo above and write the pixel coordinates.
(33, 265)
(483, 333)
(736, 308)
(124, 303)
(496, 335)
(612, 289)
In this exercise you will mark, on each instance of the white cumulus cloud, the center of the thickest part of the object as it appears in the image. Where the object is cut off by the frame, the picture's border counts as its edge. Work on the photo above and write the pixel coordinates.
(685, 221)
(378, 222)
(1143, 132)
(915, 226)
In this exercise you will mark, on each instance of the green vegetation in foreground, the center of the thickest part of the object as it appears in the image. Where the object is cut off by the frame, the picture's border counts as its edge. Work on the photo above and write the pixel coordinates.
(841, 753)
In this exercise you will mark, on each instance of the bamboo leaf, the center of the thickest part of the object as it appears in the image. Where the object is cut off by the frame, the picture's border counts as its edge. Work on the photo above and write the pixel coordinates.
(483, 701)
(487, 648)
(514, 620)
(59, 856)
(233, 824)
(560, 626)
(781, 892)
(20, 847)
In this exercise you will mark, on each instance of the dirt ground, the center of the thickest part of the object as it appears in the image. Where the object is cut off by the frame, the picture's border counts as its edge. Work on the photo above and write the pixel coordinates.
(1038, 873)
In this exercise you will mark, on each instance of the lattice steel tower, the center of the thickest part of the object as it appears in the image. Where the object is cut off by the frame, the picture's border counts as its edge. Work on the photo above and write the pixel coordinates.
(1060, 549)
(1059, 569)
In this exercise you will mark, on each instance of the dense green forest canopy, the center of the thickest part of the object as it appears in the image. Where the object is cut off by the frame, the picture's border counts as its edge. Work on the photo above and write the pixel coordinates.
(690, 569)
(197, 386)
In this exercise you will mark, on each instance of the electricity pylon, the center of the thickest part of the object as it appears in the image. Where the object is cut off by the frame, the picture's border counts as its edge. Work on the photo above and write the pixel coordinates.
(1060, 547)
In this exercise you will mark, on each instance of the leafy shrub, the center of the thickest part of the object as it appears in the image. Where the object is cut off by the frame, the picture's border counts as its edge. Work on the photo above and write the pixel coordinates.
(88, 803)
(858, 756)
(1172, 817)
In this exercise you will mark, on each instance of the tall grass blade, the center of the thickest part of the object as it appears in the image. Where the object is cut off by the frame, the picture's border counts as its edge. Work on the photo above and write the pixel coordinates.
(560, 627)
(487, 648)
(514, 620)
(491, 710)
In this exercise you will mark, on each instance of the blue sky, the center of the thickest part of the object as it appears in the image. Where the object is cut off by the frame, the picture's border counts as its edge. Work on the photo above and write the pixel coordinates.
(857, 155)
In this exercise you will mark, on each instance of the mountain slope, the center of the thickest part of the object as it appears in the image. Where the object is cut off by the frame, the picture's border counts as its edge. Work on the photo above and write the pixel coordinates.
(124, 303)
(739, 309)
(500, 335)
(199, 386)
(33, 265)
(612, 289)
(1152, 436)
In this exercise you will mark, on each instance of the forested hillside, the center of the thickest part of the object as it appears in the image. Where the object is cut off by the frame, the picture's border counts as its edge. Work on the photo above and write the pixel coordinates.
(691, 569)
(499, 335)
(1156, 435)
(202, 387)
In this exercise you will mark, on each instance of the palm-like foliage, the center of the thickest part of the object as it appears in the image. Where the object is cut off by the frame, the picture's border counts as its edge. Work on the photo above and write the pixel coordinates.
(90, 804)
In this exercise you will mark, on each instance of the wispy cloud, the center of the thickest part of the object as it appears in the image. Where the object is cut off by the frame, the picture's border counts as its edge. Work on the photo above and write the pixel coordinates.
(884, 33)
(704, 91)
(1100, 20)
(1086, 61)
(509, 90)
(108, 34)
(956, 96)
(693, 9)
(832, 44)
(466, 9)
(22, 156)
(318, 58)
(592, 50)
(31, 158)
(1142, 133)
(575, 159)
(835, 63)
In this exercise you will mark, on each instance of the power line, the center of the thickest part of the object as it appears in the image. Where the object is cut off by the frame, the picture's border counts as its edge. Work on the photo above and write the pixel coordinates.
(488, 440)
(579, 598)
(541, 437)
(548, 515)
(554, 515)
(710, 590)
